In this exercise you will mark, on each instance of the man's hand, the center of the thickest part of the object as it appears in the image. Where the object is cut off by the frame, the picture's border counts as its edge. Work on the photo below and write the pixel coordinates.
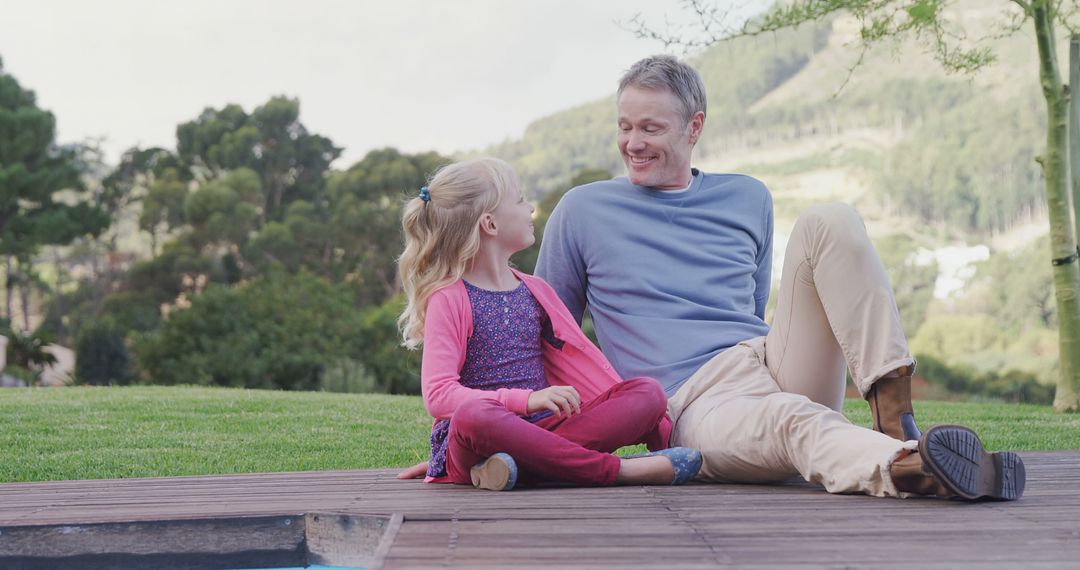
(559, 399)
(414, 472)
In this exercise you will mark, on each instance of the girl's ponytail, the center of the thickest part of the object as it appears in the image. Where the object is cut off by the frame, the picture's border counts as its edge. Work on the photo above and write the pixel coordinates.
(442, 234)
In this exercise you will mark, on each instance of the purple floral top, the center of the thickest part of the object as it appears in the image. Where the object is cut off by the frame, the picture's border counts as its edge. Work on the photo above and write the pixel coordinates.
(503, 352)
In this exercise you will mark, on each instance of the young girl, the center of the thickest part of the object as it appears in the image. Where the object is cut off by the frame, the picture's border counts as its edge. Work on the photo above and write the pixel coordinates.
(509, 377)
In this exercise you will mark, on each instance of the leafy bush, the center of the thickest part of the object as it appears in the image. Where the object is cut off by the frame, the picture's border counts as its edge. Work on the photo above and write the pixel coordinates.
(946, 336)
(280, 331)
(397, 370)
(912, 282)
(1009, 385)
(26, 356)
(134, 310)
(29, 377)
(349, 376)
(101, 354)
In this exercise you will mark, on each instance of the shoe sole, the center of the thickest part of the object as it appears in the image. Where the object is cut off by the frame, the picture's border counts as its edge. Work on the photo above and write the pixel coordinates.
(496, 473)
(955, 455)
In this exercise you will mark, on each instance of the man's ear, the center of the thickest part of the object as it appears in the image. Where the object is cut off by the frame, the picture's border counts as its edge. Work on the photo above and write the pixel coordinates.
(487, 225)
(697, 124)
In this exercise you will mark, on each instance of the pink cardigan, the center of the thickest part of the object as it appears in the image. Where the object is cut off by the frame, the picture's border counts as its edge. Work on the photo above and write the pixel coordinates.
(447, 329)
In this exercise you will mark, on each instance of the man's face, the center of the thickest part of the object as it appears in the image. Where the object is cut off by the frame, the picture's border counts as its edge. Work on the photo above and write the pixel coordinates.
(654, 140)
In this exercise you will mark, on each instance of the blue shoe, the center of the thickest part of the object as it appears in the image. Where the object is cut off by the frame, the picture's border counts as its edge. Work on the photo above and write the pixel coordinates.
(686, 461)
(496, 473)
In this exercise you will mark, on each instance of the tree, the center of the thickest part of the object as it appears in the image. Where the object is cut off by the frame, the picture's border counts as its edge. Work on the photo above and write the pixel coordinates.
(224, 212)
(271, 141)
(1022, 296)
(233, 176)
(350, 231)
(944, 30)
(912, 282)
(163, 207)
(363, 214)
(34, 171)
(156, 176)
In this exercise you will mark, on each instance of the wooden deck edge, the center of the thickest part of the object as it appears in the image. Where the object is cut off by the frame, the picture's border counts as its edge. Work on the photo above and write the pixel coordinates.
(346, 540)
(387, 542)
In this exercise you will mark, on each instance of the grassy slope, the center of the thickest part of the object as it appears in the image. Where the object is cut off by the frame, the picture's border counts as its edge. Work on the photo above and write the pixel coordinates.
(94, 433)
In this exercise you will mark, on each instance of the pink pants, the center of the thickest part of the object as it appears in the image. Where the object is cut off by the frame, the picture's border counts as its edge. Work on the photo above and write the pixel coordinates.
(576, 449)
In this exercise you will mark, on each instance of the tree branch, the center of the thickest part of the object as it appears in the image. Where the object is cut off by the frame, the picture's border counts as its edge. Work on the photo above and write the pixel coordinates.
(1067, 16)
(1024, 5)
(1049, 74)
(1015, 24)
(851, 70)
(879, 20)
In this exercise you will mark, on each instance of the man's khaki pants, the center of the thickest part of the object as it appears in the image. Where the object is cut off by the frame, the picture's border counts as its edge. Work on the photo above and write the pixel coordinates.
(768, 408)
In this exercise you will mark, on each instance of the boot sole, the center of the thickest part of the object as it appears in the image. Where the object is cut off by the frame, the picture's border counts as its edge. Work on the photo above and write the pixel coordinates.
(496, 473)
(956, 457)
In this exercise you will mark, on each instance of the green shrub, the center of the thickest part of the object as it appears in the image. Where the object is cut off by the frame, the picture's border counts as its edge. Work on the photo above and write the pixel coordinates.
(25, 374)
(101, 354)
(946, 336)
(1009, 385)
(135, 310)
(278, 332)
(349, 376)
(397, 370)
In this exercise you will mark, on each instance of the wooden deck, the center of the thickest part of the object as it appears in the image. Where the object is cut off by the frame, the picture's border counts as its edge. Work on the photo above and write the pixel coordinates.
(695, 526)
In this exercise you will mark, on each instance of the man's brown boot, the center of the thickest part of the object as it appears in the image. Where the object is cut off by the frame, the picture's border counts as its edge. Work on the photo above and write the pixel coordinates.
(951, 462)
(890, 405)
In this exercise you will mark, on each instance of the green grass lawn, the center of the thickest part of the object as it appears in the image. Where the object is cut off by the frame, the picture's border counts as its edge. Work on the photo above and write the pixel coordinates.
(96, 433)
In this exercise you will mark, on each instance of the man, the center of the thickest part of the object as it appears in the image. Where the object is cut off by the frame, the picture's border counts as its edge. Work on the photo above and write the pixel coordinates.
(674, 267)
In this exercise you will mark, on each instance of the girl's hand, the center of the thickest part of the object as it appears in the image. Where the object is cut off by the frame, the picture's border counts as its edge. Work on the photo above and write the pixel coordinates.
(414, 472)
(559, 399)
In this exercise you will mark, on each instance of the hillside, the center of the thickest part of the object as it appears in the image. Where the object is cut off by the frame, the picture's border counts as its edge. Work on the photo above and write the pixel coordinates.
(900, 137)
(941, 166)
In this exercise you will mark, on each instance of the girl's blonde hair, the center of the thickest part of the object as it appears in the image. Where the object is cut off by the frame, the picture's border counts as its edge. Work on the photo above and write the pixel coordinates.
(442, 235)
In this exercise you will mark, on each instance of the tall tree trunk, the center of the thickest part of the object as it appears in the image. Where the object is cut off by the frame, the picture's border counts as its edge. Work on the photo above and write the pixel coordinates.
(25, 289)
(1062, 240)
(61, 336)
(24, 295)
(95, 269)
(1074, 129)
(7, 288)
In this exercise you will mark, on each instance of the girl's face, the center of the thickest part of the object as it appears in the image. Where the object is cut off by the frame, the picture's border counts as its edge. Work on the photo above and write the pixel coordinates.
(514, 221)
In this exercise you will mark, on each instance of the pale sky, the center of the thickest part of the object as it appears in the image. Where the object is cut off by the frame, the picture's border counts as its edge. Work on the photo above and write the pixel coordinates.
(446, 75)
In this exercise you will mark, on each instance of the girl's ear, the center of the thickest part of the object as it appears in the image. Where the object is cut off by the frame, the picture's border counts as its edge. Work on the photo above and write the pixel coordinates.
(487, 225)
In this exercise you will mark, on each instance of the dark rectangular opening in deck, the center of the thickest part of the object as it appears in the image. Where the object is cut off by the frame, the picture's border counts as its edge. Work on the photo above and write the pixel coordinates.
(284, 541)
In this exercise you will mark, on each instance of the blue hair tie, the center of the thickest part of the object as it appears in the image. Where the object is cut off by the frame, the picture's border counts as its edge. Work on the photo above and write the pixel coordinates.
(425, 195)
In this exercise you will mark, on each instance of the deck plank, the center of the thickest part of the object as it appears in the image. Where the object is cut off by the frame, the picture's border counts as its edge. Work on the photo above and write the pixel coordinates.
(695, 526)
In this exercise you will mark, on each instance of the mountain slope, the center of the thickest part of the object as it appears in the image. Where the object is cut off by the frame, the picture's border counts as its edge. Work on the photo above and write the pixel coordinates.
(899, 137)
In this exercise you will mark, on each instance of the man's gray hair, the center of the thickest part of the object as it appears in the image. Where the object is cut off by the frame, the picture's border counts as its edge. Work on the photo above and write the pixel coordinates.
(659, 72)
